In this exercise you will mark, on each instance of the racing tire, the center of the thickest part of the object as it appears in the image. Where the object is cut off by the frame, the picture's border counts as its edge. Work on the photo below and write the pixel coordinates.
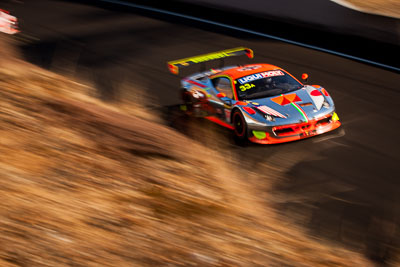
(187, 100)
(240, 128)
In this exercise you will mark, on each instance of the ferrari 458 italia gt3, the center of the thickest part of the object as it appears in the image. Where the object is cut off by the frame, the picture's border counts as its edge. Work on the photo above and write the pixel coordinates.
(260, 102)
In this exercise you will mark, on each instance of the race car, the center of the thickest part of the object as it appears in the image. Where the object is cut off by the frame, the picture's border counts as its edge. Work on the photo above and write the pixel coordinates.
(8, 23)
(261, 103)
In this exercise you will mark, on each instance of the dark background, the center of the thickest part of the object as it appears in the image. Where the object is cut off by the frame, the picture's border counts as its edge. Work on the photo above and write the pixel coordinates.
(342, 187)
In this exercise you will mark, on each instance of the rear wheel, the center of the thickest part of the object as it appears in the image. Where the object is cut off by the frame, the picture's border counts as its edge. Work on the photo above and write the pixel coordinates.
(187, 101)
(240, 127)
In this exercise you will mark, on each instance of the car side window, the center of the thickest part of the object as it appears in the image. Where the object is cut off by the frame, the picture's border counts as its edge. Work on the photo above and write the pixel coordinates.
(223, 85)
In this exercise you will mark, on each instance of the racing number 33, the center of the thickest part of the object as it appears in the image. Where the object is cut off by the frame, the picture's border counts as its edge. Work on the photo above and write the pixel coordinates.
(246, 86)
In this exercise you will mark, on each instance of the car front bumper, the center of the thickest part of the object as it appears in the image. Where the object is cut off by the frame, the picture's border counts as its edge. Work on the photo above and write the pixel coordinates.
(293, 132)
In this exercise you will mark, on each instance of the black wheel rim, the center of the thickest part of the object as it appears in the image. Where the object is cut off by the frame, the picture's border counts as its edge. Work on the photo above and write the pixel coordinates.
(239, 125)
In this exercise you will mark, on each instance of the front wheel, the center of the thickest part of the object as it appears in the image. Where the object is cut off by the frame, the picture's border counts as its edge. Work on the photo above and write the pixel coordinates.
(240, 128)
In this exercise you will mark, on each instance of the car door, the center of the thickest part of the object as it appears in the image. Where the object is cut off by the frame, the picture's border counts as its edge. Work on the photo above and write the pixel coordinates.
(223, 103)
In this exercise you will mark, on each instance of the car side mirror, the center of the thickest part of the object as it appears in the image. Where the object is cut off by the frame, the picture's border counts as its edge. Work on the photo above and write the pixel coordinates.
(224, 98)
(304, 77)
(221, 95)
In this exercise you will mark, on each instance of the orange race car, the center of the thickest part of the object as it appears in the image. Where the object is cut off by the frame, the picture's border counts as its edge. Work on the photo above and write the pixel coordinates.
(259, 102)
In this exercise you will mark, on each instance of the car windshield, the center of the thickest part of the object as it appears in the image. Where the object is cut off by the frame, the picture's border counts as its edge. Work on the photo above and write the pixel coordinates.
(265, 84)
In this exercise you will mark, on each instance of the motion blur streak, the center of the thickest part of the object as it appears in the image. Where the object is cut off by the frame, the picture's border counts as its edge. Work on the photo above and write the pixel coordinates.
(84, 183)
(124, 200)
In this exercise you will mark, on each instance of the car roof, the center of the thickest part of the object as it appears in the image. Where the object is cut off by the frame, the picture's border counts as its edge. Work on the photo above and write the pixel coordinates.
(245, 70)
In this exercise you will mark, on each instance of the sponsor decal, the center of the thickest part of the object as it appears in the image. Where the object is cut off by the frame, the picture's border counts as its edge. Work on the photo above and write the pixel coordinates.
(291, 99)
(286, 99)
(315, 93)
(316, 97)
(259, 134)
(335, 117)
(260, 75)
(246, 86)
(200, 59)
(207, 57)
(301, 111)
(249, 110)
(271, 111)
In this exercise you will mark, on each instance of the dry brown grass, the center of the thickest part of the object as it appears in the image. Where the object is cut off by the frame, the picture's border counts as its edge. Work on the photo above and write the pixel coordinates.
(86, 184)
(383, 7)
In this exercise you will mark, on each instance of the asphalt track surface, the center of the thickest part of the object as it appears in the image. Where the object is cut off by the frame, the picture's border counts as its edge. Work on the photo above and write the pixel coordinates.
(324, 14)
(342, 187)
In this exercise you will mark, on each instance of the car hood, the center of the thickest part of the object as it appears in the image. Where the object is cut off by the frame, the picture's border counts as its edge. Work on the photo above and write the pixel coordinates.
(297, 106)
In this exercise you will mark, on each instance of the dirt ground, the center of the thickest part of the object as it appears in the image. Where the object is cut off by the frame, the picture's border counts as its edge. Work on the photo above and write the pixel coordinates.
(389, 8)
(85, 183)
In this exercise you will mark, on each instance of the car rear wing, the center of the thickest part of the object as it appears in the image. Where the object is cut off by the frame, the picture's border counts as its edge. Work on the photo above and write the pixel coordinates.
(174, 65)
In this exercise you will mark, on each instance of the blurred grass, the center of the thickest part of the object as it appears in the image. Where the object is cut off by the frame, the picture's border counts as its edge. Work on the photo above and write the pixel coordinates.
(85, 183)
